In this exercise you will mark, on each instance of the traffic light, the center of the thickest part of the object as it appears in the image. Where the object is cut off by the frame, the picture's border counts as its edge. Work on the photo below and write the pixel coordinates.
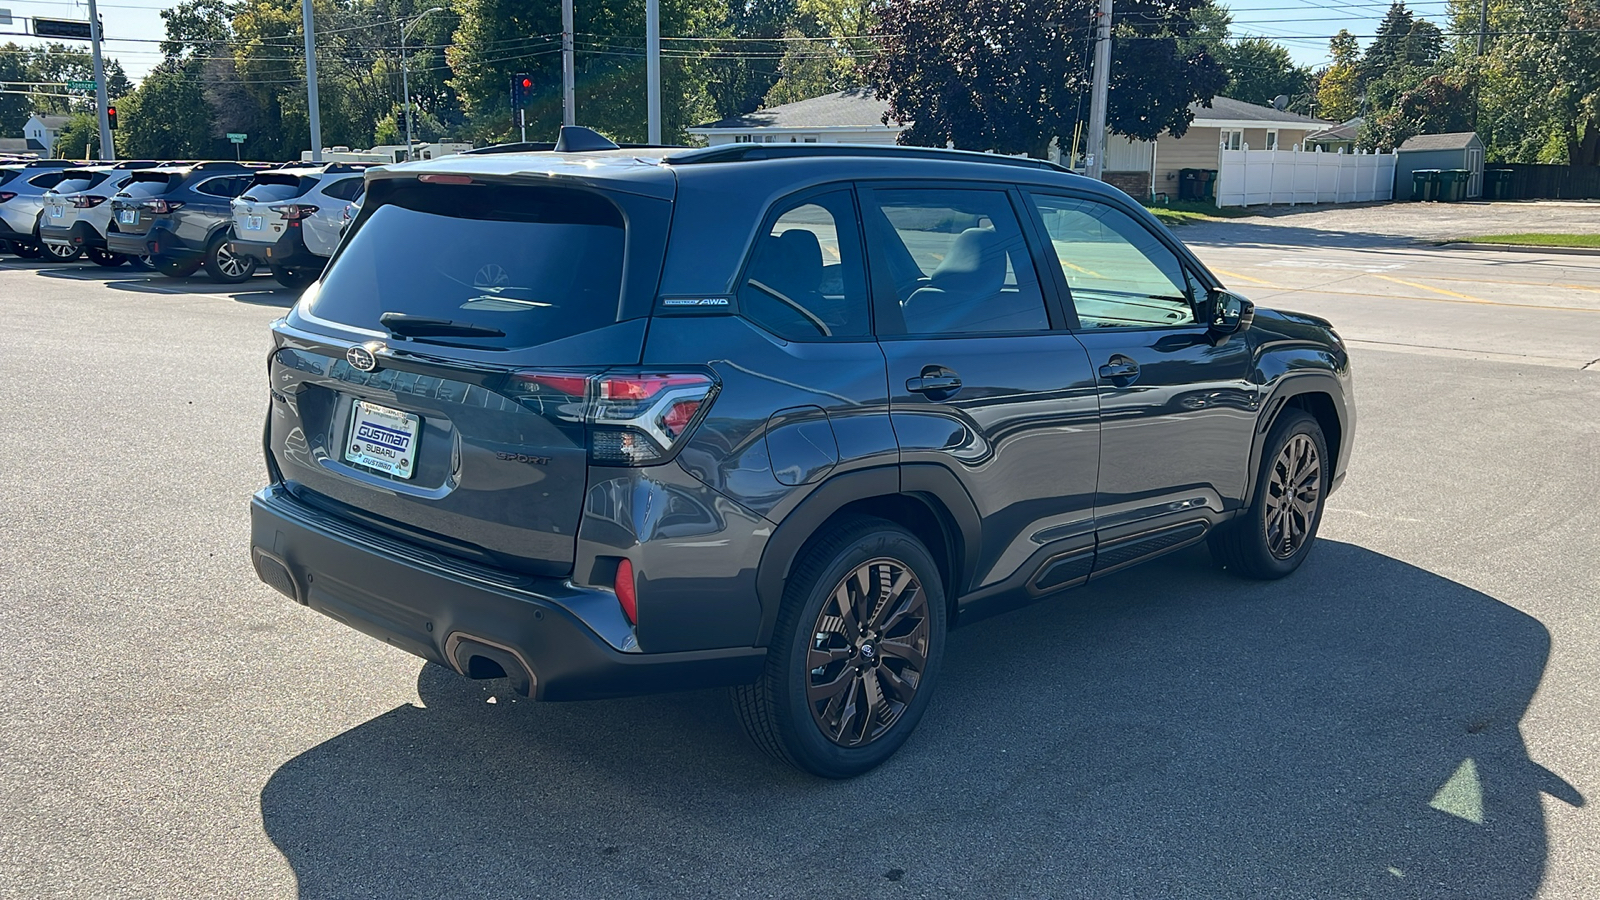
(111, 117)
(521, 90)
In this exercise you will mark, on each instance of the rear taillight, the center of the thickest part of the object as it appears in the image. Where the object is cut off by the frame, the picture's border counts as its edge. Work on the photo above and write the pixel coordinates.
(293, 212)
(6, 195)
(633, 418)
(85, 201)
(160, 207)
(626, 596)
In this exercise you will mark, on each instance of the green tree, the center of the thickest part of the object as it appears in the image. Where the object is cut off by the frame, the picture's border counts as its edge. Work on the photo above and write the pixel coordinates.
(1339, 87)
(1013, 76)
(1439, 104)
(741, 73)
(1260, 70)
(79, 137)
(1540, 92)
(825, 50)
(168, 117)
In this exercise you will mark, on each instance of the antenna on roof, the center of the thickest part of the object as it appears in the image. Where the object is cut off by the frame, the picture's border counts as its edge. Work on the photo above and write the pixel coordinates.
(578, 139)
(1280, 102)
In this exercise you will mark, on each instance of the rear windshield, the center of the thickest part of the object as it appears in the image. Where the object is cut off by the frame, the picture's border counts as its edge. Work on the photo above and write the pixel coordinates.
(48, 180)
(538, 264)
(148, 185)
(79, 181)
(269, 188)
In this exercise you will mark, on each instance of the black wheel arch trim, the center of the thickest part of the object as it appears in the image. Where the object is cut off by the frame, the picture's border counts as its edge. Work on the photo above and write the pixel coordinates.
(1288, 387)
(929, 484)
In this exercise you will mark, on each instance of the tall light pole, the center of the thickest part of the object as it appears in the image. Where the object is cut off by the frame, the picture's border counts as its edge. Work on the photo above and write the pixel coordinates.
(405, 72)
(108, 150)
(312, 108)
(569, 103)
(652, 68)
(1095, 140)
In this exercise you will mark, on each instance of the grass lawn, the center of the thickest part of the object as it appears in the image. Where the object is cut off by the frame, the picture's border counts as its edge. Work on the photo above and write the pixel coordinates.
(1539, 240)
(1182, 212)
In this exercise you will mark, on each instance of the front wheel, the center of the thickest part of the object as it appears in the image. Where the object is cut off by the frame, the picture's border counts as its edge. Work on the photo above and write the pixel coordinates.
(855, 653)
(61, 252)
(105, 257)
(225, 265)
(1272, 537)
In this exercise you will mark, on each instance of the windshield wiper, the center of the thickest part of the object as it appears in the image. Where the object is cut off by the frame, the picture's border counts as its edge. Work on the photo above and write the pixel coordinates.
(409, 325)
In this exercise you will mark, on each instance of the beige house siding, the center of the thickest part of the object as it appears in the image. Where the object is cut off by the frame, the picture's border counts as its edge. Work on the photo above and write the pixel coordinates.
(1197, 149)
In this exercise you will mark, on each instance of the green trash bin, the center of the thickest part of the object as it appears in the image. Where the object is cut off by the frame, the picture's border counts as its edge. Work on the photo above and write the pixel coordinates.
(1453, 185)
(1208, 185)
(1425, 184)
(1497, 184)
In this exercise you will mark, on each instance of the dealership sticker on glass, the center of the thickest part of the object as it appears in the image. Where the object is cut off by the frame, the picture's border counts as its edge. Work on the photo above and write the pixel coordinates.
(382, 438)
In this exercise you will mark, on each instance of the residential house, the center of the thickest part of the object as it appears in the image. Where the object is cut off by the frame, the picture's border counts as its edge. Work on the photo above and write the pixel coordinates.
(843, 117)
(1341, 137)
(42, 131)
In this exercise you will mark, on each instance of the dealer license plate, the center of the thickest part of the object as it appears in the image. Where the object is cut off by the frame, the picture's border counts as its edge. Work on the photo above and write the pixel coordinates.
(382, 438)
(253, 223)
(128, 217)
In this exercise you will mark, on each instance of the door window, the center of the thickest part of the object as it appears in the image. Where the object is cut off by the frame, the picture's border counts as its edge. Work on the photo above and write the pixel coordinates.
(805, 280)
(956, 260)
(1120, 274)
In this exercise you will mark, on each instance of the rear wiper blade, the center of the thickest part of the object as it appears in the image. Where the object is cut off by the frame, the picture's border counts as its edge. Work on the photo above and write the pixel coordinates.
(427, 326)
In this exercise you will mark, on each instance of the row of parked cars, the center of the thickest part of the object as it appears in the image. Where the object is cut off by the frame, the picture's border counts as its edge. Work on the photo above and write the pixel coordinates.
(229, 218)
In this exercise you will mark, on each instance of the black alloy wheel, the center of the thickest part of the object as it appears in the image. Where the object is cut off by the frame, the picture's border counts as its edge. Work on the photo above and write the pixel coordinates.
(1272, 537)
(854, 654)
(226, 265)
(105, 257)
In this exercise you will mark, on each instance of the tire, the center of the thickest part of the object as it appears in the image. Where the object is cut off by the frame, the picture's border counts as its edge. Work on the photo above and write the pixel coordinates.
(175, 268)
(105, 257)
(1272, 538)
(144, 261)
(58, 253)
(789, 713)
(224, 265)
(27, 251)
(294, 278)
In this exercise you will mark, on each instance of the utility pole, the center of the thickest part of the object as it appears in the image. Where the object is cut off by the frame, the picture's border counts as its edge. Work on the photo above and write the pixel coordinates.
(652, 68)
(312, 109)
(1095, 140)
(108, 151)
(569, 103)
(1483, 25)
(405, 73)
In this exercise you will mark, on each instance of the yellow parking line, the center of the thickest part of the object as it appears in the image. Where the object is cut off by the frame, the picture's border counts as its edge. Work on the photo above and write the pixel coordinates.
(1089, 272)
(1543, 284)
(1423, 287)
(1226, 274)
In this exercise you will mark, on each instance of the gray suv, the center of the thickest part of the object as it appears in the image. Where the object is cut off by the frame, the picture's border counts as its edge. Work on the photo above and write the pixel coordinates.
(606, 422)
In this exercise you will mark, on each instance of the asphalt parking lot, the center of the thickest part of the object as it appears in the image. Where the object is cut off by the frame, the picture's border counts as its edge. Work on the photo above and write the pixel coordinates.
(1416, 713)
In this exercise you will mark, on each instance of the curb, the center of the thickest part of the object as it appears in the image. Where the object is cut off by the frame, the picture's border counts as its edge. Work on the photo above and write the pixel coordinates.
(1518, 248)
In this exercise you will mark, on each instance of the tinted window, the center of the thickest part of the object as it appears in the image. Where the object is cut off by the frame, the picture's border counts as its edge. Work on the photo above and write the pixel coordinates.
(47, 180)
(539, 264)
(7, 174)
(278, 189)
(344, 189)
(79, 181)
(1120, 274)
(141, 187)
(957, 260)
(225, 186)
(806, 279)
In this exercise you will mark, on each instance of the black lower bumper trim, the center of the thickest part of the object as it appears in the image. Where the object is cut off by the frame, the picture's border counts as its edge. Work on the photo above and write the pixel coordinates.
(441, 616)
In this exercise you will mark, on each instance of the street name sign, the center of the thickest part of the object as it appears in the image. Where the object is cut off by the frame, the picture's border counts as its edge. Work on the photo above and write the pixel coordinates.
(236, 137)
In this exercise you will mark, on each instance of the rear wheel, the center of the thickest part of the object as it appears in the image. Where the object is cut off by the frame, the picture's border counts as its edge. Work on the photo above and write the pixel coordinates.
(855, 653)
(105, 257)
(175, 268)
(294, 278)
(1273, 536)
(225, 265)
(61, 252)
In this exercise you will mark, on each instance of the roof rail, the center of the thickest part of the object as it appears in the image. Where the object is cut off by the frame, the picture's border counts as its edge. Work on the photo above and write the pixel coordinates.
(740, 152)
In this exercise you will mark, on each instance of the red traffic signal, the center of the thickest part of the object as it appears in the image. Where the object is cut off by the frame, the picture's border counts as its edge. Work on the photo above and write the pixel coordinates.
(521, 90)
(111, 117)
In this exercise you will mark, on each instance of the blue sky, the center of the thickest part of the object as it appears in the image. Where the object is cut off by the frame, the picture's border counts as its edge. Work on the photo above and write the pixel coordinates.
(133, 28)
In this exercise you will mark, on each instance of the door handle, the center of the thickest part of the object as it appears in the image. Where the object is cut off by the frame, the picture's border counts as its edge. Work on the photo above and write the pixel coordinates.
(935, 382)
(1120, 370)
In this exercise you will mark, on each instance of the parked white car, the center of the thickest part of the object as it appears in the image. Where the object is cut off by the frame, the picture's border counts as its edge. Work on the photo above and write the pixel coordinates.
(22, 187)
(76, 212)
(292, 219)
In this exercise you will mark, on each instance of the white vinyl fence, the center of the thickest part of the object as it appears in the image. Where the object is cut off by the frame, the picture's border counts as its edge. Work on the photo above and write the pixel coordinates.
(1254, 177)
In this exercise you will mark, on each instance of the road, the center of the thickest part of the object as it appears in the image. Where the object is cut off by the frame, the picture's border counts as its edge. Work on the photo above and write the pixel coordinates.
(1416, 713)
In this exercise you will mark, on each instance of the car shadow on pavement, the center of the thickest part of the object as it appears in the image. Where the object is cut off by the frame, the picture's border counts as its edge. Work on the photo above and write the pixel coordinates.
(1239, 233)
(1174, 732)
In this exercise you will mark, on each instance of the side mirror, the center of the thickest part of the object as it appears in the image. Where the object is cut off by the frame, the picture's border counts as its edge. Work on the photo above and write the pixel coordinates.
(1229, 315)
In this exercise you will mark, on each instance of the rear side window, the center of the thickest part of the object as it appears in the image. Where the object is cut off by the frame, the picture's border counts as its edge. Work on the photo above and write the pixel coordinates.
(806, 280)
(345, 189)
(270, 189)
(47, 180)
(537, 264)
(7, 174)
(226, 186)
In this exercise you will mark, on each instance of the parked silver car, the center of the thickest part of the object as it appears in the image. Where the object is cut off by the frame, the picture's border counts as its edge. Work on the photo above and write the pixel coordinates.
(76, 212)
(291, 219)
(22, 187)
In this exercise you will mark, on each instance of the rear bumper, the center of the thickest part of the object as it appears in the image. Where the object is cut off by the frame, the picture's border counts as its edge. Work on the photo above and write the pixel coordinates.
(128, 244)
(78, 234)
(449, 612)
(157, 242)
(288, 252)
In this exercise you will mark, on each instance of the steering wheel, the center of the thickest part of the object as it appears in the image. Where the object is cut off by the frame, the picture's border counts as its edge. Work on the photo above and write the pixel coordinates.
(794, 305)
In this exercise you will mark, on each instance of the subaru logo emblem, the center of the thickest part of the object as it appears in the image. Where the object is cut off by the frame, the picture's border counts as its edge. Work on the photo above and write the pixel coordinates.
(363, 356)
(869, 651)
